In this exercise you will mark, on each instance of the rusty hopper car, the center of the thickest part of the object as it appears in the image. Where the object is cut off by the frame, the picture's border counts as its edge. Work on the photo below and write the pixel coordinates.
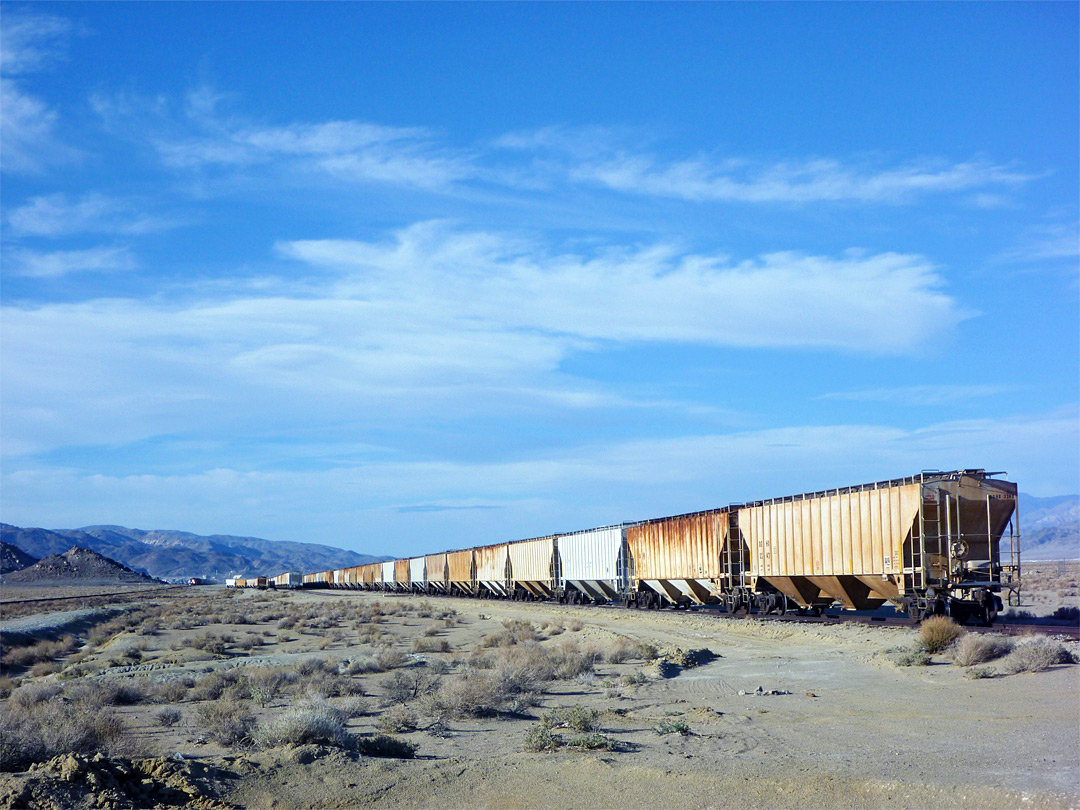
(593, 565)
(401, 575)
(929, 543)
(368, 575)
(681, 559)
(436, 573)
(533, 568)
(461, 572)
(493, 570)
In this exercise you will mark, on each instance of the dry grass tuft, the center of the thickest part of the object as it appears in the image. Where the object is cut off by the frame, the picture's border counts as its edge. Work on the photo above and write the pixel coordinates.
(938, 632)
(974, 649)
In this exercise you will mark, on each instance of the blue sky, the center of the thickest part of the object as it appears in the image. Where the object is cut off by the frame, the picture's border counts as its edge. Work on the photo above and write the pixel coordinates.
(405, 277)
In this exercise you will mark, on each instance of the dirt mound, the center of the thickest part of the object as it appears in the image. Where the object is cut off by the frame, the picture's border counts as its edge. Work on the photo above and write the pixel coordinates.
(78, 564)
(74, 781)
(13, 558)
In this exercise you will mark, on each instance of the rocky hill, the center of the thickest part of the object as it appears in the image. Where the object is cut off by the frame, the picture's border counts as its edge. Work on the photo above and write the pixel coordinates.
(13, 558)
(78, 566)
(176, 555)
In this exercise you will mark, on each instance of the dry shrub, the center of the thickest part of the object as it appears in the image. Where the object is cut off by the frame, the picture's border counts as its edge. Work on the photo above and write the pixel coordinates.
(938, 632)
(430, 645)
(515, 631)
(227, 721)
(41, 652)
(1070, 614)
(974, 649)
(264, 684)
(574, 625)
(7, 686)
(577, 718)
(397, 720)
(625, 649)
(43, 668)
(362, 666)
(388, 659)
(167, 717)
(172, 691)
(307, 722)
(215, 684)
(39, 730)
(1036, 655)
(432, 630)
(330, 684)
(382, 745)
(404, 685)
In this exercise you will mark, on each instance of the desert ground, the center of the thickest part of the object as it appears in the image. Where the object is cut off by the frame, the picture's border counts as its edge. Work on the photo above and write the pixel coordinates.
(205, 697)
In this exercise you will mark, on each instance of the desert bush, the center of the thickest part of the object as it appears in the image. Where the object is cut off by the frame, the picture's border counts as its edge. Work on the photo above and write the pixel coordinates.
(307, 722)
(672, 727)
(404, 685)
(594, 741)
(7, 686)
(227, 721)
(264, 684)
(430, 645)
(977, 673)
(287, 623)
(386, 660)
(44, 668)
(577, 718)
(568, 661)
(35, 732)
(41, 652)
(913, 658)
(215, 684)
(1036, 655)
(625, 649)
(168, 716)
(309, 666)
(538, 738)
(382, 745)
(362, 666)
(172, 691)
(978, 649)
(432, 630)
(397, 720)
(352, 706)
(329, 684)
(425, 610)
(32, 694)
(938, 632)
(1069, 614)
(635, 678)
(574, 625)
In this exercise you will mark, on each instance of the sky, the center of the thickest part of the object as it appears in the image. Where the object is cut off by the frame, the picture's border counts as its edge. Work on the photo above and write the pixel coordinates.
(409, 277)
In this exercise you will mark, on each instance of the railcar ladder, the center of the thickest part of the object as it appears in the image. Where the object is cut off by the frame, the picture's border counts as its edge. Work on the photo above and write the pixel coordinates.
(929, 528)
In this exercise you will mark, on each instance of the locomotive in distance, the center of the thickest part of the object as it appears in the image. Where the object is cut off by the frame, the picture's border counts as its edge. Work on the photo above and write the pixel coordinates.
(929, 544)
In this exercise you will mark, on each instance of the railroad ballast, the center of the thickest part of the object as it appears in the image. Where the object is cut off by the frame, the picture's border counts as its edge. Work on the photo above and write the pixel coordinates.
(929, 544)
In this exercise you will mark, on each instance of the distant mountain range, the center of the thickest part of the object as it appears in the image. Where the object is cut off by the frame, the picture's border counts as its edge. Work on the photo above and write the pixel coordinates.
(80, 566)
(1049, 527)
(175, 555)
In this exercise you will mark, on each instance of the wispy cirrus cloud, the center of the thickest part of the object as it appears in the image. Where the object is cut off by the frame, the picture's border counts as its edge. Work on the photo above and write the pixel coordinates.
(56, 215)
(58, 263)
(929, 395)
(598, 157)
(200, 134)
(30, 42)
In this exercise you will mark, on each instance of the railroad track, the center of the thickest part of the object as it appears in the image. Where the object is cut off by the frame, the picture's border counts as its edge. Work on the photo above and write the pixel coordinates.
(6, 603)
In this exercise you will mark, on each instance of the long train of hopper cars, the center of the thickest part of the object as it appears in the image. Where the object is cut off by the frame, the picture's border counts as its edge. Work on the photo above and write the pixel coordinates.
(929, 544)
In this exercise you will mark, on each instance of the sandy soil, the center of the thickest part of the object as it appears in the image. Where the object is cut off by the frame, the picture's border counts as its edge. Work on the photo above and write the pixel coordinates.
(844, 727)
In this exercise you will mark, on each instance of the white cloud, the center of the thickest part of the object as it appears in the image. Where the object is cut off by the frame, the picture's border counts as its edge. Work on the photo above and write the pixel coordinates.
(435, 321)
(55, 215)
(598, 156)
(27, 132)
(810, 181)
(59, 263)
(31, 42)
(929, 395)
(1048, 242)
(885, 303)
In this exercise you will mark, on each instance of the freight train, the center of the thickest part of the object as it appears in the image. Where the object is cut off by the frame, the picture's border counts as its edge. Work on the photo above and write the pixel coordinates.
(929, 544)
